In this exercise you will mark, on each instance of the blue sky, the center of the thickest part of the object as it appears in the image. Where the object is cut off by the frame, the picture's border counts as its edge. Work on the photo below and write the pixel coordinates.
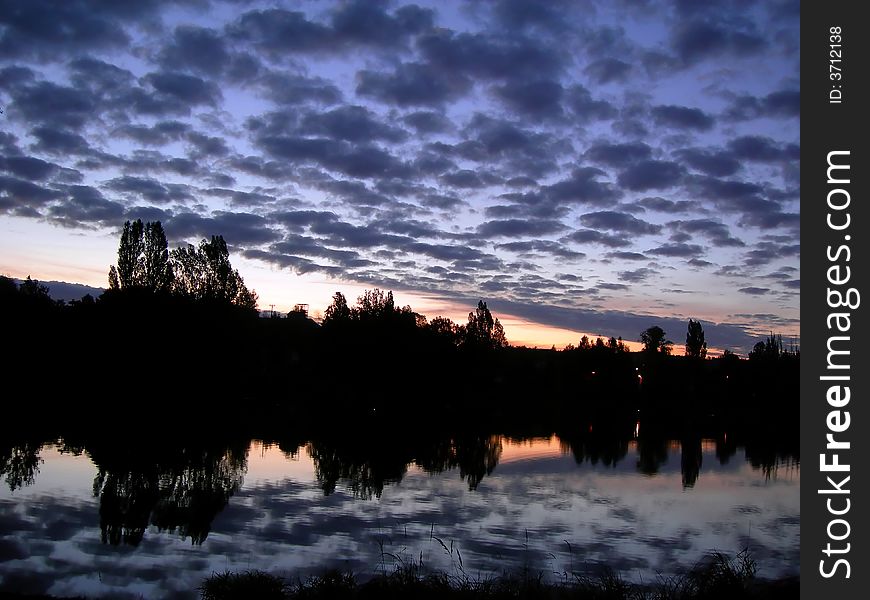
(585, 167)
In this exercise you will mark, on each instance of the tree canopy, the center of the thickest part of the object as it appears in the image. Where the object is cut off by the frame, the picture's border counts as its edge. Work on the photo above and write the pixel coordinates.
(654, 341)
(696, 345)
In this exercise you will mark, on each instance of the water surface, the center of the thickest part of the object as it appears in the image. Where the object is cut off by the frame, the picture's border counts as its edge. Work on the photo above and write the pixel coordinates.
(126, 522)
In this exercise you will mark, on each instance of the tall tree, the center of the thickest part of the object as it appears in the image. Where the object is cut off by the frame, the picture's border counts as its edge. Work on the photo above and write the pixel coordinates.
(156, 268)
(654, 340)
(143, 259)
(483, 330)
(205, 273)
(696, 345)
(338, 311)
(130, 250)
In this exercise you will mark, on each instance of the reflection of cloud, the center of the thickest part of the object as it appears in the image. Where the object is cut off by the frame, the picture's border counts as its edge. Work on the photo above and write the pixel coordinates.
(534, 500)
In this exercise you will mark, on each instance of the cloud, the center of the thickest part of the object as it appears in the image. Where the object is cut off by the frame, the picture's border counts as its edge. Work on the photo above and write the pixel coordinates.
(197, 49)
(784, 104)
(428, 122)
(753, 291)
(519, 227)
(619, 222)
(677, 250)
(716, 232)
(539, 99)
(590, 236)
(651, 175)
(351, 123)
(714, 163)
(489, 56)
(682, 117)
(619, 154)
(607, 70)
(637, 275)
(412, 84)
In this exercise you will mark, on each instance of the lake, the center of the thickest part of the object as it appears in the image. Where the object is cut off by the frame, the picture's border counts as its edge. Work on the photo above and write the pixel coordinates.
(123, 520)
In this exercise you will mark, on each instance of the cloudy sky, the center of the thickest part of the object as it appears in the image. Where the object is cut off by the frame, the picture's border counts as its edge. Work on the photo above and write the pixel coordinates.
(594, 167)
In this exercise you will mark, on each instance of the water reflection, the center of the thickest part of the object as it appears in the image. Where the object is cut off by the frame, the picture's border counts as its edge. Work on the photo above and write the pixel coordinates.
(634, 500)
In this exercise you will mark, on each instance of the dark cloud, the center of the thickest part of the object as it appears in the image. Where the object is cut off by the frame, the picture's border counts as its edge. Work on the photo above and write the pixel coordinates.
(763, 149)
(159, 134)
(28, 167)
(149, 189)
(362, 160)
(54, 105)
(753, 291)
(666, 206)
(85, 206)
(624, 255)
(619, 222)
(99, 76)
(428, 122)
(523, 14)
(766, 252)
(519, 228)
(196, 49)
(488, 56)
(276, 32)
(293, 90)
(619, 154)
(583, 187)
(590, 236)
(716, 232)
(699, 39)
(188, 90)
(534, 99)
(207, 145)
(651, 175)
(713, 163)
(586, 108)
(637, 275)
(351, 123)
(780, 104)
(412, 84)
(46, 29)
(364, 22)
(236, 228)
(677, 250)
(607, 70)
(682, 117)
(18, 196)
(533, 247)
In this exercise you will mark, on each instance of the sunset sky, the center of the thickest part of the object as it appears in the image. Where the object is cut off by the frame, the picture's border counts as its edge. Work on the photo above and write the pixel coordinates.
(584, 167)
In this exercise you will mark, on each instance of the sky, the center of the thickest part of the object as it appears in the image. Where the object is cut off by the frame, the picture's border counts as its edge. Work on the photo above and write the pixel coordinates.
(593, 167)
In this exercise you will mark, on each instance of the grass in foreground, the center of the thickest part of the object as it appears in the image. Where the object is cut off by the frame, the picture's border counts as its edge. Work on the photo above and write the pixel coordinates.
(717, 577)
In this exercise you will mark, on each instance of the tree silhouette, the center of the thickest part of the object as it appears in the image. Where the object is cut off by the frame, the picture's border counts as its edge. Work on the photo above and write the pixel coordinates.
(482, 331)
(338, 311)
(130, 250)
(696, 345)
(205, 273)
(156, 269)
(143, 259)
(654, 341)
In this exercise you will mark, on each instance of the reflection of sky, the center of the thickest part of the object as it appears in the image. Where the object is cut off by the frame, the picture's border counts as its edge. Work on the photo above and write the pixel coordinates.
(535, 501)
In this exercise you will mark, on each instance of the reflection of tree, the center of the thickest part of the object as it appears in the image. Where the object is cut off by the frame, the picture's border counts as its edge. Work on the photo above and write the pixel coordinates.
(607, 448)
(181, 491)
(652, 453)
(366, 467)
(690, 460)
(20, 463)
(476, 457)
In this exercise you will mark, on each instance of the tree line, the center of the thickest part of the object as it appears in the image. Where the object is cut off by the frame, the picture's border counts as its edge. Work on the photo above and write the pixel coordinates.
(201, 273)
(182, 324)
